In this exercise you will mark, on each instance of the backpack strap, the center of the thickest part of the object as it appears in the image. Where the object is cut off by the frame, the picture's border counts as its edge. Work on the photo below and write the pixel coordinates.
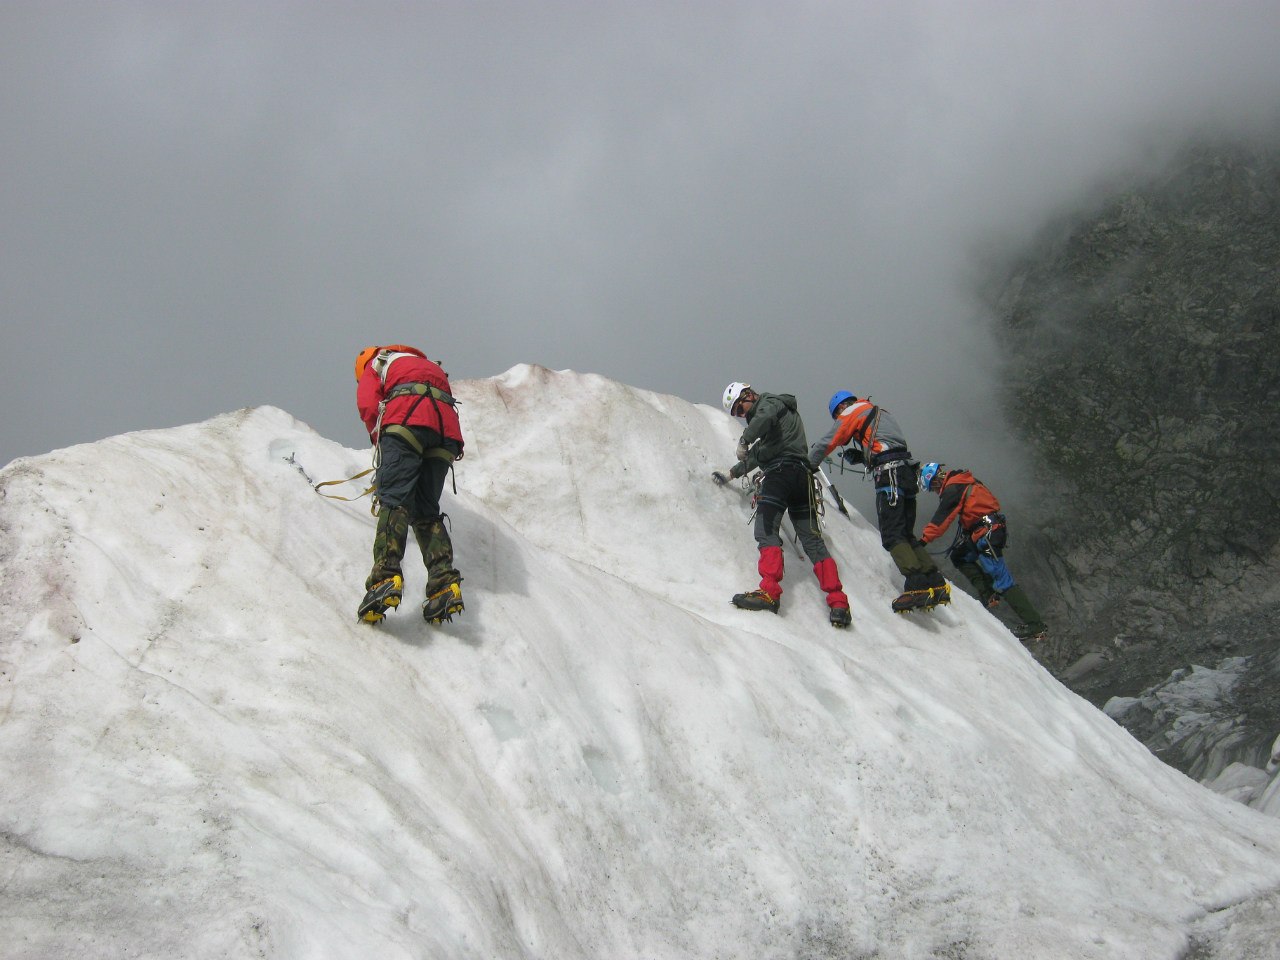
(869, 435)
(382, 359)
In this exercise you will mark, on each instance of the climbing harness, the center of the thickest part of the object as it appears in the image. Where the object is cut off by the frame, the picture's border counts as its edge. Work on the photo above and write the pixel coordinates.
(422, 391)
(889, 471)
(990, 534)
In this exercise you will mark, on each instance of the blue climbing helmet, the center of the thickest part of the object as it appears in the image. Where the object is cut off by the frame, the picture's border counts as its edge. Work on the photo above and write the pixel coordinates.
(928, 473)
(837, 398)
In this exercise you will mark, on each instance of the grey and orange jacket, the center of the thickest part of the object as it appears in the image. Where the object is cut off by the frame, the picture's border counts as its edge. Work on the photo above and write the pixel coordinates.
(868, 429)
(965, 496)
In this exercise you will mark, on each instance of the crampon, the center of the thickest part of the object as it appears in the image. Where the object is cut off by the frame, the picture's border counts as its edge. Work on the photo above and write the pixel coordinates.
(755, 600)
(382, 596)
(443, 604)
(922, 601)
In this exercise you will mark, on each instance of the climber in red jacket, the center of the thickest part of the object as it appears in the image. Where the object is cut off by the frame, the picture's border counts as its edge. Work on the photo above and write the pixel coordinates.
(405, 402)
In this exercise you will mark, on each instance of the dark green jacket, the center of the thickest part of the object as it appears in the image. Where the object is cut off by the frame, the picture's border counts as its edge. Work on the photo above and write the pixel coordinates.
(774, 432)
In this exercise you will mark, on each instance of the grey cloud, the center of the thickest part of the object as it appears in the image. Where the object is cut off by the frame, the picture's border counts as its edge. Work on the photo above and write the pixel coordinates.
(211, 206)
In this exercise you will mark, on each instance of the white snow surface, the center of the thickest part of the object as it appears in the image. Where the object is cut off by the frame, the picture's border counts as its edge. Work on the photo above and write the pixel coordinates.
(203, 754)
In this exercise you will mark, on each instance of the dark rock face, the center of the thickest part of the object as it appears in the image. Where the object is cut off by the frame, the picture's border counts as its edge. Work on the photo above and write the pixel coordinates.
(1144, 378)
(1202, 717)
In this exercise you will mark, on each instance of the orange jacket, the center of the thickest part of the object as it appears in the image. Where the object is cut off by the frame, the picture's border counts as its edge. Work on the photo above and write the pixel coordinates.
(962, 495)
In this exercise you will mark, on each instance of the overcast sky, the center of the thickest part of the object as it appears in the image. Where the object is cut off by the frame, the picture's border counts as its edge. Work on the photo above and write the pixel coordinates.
(215, 205)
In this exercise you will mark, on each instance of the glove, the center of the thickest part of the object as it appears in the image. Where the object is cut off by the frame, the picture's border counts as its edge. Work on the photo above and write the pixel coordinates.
(719, 478)
(742, 450)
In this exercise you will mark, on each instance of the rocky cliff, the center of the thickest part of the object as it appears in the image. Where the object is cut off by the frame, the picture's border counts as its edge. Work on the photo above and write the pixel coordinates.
(1143, 375)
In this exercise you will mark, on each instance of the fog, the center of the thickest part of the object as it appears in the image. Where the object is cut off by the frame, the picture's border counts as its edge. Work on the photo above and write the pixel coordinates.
(207, 207)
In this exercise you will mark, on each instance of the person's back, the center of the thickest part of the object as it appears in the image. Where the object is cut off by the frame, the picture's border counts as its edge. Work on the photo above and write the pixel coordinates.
(869, 432)
(962, 497)
(389, 377)
(774, 430)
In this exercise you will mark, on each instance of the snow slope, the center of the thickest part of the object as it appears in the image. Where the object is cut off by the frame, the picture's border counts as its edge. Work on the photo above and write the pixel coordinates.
(205, 755)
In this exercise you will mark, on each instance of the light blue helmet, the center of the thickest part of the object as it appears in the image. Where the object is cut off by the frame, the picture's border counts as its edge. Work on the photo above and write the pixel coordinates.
(837, 398)
(929, 472)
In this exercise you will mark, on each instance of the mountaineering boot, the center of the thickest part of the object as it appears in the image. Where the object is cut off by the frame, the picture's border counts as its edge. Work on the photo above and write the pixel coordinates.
(443, 604)
(755, 600)
(910, 601)
(923, 592)
(382, 596)
(992, 601)
(841, 617)
(1029, 635)
(939, 590)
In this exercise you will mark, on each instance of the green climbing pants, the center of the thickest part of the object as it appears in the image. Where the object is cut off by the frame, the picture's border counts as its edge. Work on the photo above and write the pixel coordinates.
(409, 486)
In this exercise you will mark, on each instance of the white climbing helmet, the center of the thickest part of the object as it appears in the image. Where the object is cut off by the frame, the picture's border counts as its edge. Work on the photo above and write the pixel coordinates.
(731, 394)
